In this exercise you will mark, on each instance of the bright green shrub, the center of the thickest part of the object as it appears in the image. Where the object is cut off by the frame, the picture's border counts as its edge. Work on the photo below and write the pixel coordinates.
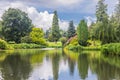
(37, 36)
(113, 48)
(27, 46)
(3, 44)
(74, 41)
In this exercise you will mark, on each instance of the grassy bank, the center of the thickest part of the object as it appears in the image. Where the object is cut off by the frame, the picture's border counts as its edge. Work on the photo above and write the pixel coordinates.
(54, 44)
(7, 46)
(78, 47)
(113, 49)
(27, 46)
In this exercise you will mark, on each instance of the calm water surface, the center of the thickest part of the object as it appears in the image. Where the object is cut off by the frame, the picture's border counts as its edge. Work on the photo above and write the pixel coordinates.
(54, 64)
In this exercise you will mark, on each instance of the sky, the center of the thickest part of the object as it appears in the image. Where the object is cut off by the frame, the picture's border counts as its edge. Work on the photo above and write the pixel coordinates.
(41, 11)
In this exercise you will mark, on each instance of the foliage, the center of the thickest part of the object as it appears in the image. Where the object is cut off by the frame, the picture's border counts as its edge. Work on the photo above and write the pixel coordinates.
(104, 30)
(54, 44)
(63, 33)
(3, 44)
(113, 48)
(82, 33)
(63, 40)
(101, 13)
(102, 22)
(55, 28)
(71, 30)
(37, 36)
(1, 36)
(26, 46)
(26, 39)
(74, 41)
(117, 13)
(16, 24)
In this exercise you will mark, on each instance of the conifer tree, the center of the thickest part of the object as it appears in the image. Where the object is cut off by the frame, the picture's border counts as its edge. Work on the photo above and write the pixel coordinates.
(71, 30)
(82, 33)
(55, 28)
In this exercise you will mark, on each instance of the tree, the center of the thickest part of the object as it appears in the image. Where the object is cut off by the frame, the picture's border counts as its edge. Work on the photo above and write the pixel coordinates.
(55, 65)
(63, 40)
(103, 27)
(55, 28)
(16, 24)
(83, 65)
(101, 13)
(16, 65)
(71, 30)
(117, 17)
(37, 36)
(117, 12)
(1, 30)
(82, 33)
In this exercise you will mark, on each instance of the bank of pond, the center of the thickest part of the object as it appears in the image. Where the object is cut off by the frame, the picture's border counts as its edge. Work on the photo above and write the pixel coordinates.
(112, 48)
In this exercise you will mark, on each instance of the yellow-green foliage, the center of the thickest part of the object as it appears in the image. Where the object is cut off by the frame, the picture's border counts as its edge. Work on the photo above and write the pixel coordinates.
(113, 48)
(37, 36)
(55, 44)
(26, 46)
(94, 43)
(74, 41)
(3, 44)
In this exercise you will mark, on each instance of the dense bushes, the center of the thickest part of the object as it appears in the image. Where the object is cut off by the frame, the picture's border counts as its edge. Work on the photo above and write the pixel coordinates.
(54, 44)
(26, 46)
(113, 48)
(3, 44)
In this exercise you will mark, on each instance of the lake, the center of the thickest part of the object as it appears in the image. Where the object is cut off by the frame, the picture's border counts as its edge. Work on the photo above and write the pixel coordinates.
(55, 64)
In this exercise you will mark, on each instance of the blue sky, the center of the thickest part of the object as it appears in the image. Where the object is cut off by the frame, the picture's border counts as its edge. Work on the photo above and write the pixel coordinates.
(41, 11)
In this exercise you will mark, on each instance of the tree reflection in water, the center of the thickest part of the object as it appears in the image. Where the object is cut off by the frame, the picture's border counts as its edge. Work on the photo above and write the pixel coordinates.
(14, 67)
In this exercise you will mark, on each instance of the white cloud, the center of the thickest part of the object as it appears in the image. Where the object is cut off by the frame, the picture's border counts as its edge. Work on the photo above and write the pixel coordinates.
(63, 24)
(44, 71)
(39, 19)
(89, 20)
(52, 3)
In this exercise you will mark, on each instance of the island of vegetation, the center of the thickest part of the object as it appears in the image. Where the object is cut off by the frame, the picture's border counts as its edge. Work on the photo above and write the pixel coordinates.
(18, 32)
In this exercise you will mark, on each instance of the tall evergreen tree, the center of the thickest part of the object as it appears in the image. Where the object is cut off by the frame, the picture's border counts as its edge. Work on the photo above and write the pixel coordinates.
(55, 28)
(71, 30)
(101, 11)
(117, 12)
(82, 32)
(102, 22)
(117, 17)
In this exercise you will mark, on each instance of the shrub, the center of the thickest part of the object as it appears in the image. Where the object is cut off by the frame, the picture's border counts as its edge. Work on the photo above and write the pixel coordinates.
(3, 44)
(63, 40)
(113, 48)
(26, 39)
(27, 46)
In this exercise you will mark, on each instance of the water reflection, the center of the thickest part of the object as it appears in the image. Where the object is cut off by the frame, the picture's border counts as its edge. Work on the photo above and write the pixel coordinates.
(83, 66)
(55, 65)
(14, 67)
(58, 65)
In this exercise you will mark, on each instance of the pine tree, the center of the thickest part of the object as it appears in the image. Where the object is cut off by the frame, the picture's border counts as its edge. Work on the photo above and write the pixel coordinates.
(82, 33)
(55, 28)
(71, 30)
